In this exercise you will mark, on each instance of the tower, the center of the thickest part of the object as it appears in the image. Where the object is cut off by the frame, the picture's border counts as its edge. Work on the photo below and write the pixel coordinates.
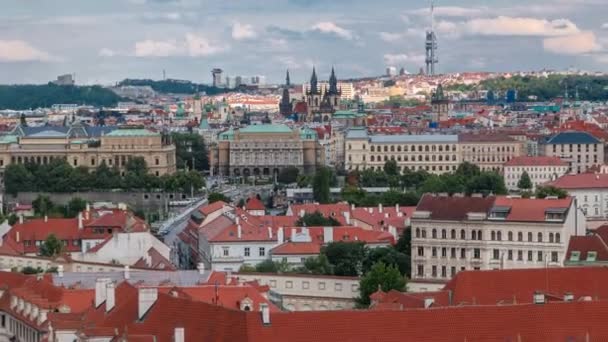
(285, 106)
(440, 105)
(334, 93)
(217, 77)
(431, 45)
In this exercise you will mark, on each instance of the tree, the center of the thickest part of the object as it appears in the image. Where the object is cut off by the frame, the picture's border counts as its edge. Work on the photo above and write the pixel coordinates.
(380, 276)
(316, 219)
(391, 168)
(487, 182)
(266, 266)
(346, 257)
(388, 256)
(321, 185)
(288, 175)
(544, 191)
(190, 151)
(51, 246)
(42, 205)
(318, 265)
(18, 178)
(467, 170)
(525, 183)
(75, 206)
(216, 197)
(404, 243)
(12, 219)
(246, 268)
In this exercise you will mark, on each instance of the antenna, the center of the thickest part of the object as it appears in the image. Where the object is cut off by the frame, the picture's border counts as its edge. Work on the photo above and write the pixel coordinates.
(431, 44)
(432, 16)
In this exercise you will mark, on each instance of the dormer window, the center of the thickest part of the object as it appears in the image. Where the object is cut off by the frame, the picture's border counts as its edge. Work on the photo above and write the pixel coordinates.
(591, 256)
(499, 213)
(555, 214)
(575, 256)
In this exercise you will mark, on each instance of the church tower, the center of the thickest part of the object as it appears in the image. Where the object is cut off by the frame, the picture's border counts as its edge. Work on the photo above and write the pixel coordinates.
(285, 106)
(440, 105)
(314, 97)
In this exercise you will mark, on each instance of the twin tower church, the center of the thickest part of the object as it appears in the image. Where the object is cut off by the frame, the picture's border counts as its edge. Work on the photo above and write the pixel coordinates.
(320, 100)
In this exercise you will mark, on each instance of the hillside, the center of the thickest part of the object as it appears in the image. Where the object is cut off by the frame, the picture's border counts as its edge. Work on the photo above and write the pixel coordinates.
(39, 96)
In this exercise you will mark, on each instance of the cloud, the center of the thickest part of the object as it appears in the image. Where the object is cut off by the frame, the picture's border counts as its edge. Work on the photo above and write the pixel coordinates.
(450, 11)
(21, 51)
(395, 36)
(193, 46)
(105, 52)
(520, 26)
(396, 59)
(574, 44)
(329, 27)
(605, 26)
(243, 31)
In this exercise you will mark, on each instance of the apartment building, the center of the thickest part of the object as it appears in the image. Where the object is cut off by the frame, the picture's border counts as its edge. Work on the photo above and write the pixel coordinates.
(590, 191)
(580, 150)
(455, 233)
(489, 151)
(540, 169)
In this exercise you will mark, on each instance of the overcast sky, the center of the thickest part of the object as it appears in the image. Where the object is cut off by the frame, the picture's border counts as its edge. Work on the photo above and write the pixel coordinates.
(106, 41)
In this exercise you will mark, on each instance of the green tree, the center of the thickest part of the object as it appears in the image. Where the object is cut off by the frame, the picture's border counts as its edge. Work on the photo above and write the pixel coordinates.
(544, 191)
(467, 170)
(75, 206)
(345, 257)
(267, 266)
(23, 121)
(246, 268)
(42, 205)
(316, 219)
(414, 179)
(321, 185)
(12, 219)
(51, 246)
(524, 183)
(382, 277)
(391, 168)
(18, 178)
(216, 197)
(106, 178)
(44, 96)
(404, 243)
(487, 182)
(388, 256)
(190, 151)
(318, 265)
(288, 175)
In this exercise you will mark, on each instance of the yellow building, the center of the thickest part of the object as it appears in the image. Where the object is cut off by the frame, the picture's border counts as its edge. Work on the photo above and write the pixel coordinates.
(490, 151)
(88, 146)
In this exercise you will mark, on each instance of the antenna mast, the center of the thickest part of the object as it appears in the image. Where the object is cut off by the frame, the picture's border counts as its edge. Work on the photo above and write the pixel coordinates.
(431, 44)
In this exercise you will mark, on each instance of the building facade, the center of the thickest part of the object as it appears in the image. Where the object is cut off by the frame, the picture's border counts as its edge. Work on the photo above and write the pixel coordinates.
(590, 191)
(453, 234)
(580, 150)
(322, 104)
(540, 169)
(264, 150)
(489, 151)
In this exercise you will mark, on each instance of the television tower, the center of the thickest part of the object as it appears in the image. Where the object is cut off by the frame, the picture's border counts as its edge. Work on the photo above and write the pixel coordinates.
(431, 45)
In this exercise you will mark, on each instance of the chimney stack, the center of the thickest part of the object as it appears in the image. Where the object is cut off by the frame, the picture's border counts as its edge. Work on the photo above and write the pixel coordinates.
(347, 217)
(265, 313)
(397, 207)
(20, 220)
(328, 234)
(270, 233)
(380, 208)
(100, 291)
(146, 297)
(280, 236)
(179, 335)
(302, 212)
(46, 218)
(110, 296)
(293, 234)
(127, 272)
(239, 231)
(80, 225)
(428, 302)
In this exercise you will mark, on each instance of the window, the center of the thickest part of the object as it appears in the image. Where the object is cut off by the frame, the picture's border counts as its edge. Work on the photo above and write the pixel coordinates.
(289, 284)
(539, 256)
(417, 232)
(93, 161)
(499, 236)
(247, 251)
(474, 235)
(463, 234)
(420, 251)
(479, 236)
(453, 253)
(420, 270)
(493, 236)
(157, 161)
(529, 237)
(434, 271)
(520, 236)
(444, 272)
(476, 253)
(540, 237)
(225, 251)
(510, 254)
(551, 237)
(591, 256)
(463, 253)
(424, 233)
(444, 252)
(305, 285)
(557, 238)
(554, 257)
(434, 252)
(530, 256)
(510, 236)
(322, 285)
(444, 234)
(262, 251)
(520, 255)
(452, 271)
(434, 234)
(338, 287)
(453, 234)
(495, 254)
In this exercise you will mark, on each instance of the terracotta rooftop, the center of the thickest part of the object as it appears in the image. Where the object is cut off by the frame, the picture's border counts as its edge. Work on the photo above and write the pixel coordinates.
(581, 181)
(536, 161)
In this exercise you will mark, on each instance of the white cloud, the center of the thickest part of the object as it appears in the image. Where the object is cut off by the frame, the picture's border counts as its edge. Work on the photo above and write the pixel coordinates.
(105, 52)
(605, 26)
(331, 28)
(574, 44)
(395, 36)
(397, 59)
(520, 26)
(193, 45)
(21, 51)
(450, 11)
(243, 31)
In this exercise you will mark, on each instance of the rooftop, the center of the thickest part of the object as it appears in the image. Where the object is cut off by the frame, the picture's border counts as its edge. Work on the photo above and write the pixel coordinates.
(536, 161)
(267, 128)
(572, 138)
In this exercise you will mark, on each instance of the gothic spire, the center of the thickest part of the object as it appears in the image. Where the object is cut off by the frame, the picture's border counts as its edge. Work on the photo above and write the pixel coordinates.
(333, 83)
(287, 80)
(313, 81)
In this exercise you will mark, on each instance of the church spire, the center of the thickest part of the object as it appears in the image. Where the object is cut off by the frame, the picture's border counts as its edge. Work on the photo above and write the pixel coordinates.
(287, 80)
(333, 83)
(313, 82)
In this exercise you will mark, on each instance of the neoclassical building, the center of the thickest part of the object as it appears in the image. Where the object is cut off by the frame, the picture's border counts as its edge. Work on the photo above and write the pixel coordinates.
(263, 150)
(82, 145)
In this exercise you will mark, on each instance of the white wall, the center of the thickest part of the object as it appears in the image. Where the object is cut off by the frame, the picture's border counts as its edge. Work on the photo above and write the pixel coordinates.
(127, 248)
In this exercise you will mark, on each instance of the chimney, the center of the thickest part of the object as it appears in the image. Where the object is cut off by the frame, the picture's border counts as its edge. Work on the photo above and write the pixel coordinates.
(88, 210)
(347, 217)
(302, 212)
(127, 272)
(201, 268)
(60, 271)
(428, 302)
(100, 291)
(539, 298)
(46, 218)
(393, 231)
(265, 313)
(371, 210)
(270, 233)
(352, 206)
(237, 220)
(110, 296)
(17, 237)
(80, 225)
(397, 207)
(328, 234)
(280, 235)
(146, 297)
(568, 297)
(178, 335)
(386, 215)
(20, 220)
(380, 207)
(239, 231)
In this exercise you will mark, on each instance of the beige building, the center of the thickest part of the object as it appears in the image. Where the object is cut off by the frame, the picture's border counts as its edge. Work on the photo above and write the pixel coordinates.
(88, 146)
(489, 151)
(580, 150)
(263, 150)
(540, 170)
(348, 90)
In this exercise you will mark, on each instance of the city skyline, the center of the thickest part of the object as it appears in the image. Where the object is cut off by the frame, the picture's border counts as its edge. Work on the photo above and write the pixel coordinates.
(106, 42)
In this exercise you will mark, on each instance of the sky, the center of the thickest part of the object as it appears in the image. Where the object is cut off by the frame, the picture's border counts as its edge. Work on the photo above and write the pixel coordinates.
(103, 42)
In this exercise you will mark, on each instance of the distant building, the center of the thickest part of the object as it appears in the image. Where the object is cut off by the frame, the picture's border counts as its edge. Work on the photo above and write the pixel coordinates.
(322, 104)
(540, 169)
(590, 190)
(580, 150)
(489, 151)
(440, 105)
(391, 71)
(217, 77)
(65, 80)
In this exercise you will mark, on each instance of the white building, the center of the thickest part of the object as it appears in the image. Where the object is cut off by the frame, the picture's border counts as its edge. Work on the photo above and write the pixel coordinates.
(590, 191)
(540, 169)
(452, 234)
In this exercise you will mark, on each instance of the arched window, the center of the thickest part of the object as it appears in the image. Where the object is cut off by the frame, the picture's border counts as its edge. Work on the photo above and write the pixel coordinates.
(540, 237)
(434, 234)
(424, 233)
(440, 148)
(453, 234)
(479, 235)
(372, 148)
(385, 148)
(551, 237)
(392, 148)
(557, 238)
(426, 148)
(510, 235)
(417, 232)
(520, 236)
(444, 234)
(529, 237)
(493, 235)
(499, 236)
(463, 234)
(399, 148)
(474, 235)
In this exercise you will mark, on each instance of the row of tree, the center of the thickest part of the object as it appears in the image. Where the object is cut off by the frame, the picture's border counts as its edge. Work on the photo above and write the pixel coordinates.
(44, 96)
(59, 176)
(174, 86)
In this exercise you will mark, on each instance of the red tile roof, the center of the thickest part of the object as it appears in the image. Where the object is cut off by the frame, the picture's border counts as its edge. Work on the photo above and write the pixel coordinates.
(530, 210)
(228, 296)
(536, 161)
(213, 207)
(581, 181)
(253, 203)
(596, 242)
(454, 207)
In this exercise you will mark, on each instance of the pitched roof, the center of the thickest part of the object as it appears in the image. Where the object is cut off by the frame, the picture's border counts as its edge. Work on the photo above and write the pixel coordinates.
(485, 137)
(454, 207)
(253, 203)
(535, 161)
(572, 137)
(529, 209)
(596, 242)
(581, 181)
